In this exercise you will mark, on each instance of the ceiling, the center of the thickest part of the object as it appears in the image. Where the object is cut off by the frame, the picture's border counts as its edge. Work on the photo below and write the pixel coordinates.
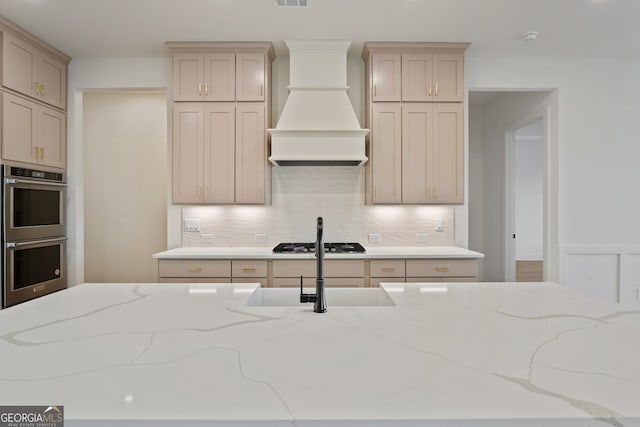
(130, 28)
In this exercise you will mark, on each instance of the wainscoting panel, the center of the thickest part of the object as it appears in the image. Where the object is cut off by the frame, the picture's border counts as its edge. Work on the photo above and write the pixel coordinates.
(610, 272)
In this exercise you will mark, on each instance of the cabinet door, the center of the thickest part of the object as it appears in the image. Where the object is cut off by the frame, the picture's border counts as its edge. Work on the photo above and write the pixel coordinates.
(417, 77)
(219, 77)
(188, 77)
(250, 152)
(386, 153)
(188, 129)
(447, 157)
(52, 77)
(448, 77)
(417, 122)
(52, 131)
(219, 152)
(19, 129)
(386, 77)
(250, 77)
(19, 65)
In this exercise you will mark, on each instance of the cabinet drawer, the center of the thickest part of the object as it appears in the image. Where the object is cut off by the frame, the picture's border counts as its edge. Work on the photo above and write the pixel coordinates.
(248, 268)
(343, 268)
(294, 268)
(387, 268)
(194, 268)
(194, 280)
(442, 268)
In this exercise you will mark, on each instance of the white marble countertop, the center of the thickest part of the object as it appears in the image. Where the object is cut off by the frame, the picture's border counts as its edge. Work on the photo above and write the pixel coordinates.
(444, 355)
(372, 252)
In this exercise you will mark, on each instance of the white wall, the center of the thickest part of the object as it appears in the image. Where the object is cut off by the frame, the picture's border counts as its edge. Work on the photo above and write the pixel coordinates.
(597, 174)
(475, 189)
(103, 74)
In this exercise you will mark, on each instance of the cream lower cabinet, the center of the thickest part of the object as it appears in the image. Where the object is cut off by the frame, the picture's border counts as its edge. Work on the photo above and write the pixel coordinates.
(219, 153)
(32, 133)
(432, 153)
(442, 270)
(337, 273)
(194, 270)
(388, 270)
(249, 271)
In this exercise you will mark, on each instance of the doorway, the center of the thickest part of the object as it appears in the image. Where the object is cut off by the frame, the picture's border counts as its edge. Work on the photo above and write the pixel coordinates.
(125, 184)
(495, 120)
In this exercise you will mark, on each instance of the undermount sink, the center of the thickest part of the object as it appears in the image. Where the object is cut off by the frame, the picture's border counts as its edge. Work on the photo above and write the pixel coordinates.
(336, 297)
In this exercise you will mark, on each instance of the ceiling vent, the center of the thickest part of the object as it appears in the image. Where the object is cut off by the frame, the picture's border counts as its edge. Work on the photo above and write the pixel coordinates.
(292, 3)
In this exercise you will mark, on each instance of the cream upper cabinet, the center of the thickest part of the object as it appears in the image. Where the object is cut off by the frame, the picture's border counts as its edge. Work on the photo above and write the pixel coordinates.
(204, 77)
(432, 77)
(33, 72)
(203, 153)
(32, 133)
(386, 77)
(385, 161)
(416, 137)
(432, 146)
(250, 77)
(251, 153)
(220, 140)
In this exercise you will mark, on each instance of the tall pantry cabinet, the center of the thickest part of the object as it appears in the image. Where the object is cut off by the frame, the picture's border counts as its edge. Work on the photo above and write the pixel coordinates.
(34, 100)
(414, 108)
(221, 111)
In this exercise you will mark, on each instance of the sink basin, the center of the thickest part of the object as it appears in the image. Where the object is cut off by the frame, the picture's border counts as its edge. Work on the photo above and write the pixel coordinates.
(336, 297)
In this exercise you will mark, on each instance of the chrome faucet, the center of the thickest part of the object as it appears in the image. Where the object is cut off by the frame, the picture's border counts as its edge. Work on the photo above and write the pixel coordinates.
(320, 303)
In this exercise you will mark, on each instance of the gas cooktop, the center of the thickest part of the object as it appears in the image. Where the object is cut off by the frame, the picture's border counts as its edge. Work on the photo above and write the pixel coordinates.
(341, 248)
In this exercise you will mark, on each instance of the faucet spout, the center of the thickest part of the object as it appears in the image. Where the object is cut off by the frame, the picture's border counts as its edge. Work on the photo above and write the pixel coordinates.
(318, 299)
(320, 305)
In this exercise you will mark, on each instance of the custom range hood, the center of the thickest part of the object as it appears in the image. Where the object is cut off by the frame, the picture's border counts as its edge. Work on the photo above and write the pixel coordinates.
(318, 126)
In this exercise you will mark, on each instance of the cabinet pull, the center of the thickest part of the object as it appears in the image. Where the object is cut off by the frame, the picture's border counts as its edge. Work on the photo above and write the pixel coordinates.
(200, 89)
(442, 269)
(428, 191)
(37, 87)
(248, 270)
(388, 269)
(435, 192)
(42, 89)
(375, 90)
(261, 89)
(195, 270)
(206, 89)
(260, 191)
(430, 89)
(206, 192)
(41, 153)
(35, 152)
(199, 193)
(436, 89)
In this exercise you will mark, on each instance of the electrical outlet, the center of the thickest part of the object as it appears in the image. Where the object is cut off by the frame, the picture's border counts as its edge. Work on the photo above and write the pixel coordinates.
(439, 224)
(260, 238)
(421, 237)
(206, 237)
(375, 238)
(192, 224)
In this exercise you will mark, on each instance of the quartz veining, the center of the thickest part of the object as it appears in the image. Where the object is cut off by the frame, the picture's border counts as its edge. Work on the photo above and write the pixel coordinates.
(445, 354)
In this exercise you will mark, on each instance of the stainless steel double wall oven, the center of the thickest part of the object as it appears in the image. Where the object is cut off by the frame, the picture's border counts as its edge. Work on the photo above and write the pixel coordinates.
(33, 233)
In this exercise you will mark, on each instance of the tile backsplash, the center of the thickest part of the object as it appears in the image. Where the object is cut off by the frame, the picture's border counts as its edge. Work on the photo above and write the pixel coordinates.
(299, 196)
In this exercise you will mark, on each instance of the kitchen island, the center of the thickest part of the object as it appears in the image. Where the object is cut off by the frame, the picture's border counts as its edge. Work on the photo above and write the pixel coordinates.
(443, 355)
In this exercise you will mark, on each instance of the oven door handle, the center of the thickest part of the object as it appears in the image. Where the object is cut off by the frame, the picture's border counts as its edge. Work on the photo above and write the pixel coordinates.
(34, 242)
(28, 181)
